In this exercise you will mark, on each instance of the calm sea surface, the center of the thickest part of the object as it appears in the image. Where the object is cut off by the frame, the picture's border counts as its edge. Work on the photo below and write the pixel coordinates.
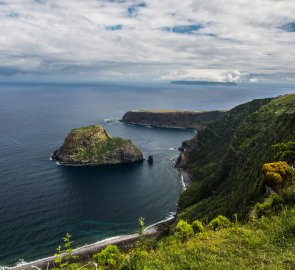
(40, 201)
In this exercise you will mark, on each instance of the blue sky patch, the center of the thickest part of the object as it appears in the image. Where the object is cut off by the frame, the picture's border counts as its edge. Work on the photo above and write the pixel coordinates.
(289, 27)
(183, 29)
(114, 27)
(132, 10)
(12, 14)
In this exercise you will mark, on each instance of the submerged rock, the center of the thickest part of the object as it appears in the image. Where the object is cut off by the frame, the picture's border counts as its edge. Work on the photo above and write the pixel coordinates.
(92, 145)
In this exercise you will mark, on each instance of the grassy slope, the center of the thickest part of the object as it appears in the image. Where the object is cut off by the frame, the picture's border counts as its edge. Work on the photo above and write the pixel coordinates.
(227, 166)
(97, 152)
(91, 143)
(267, 243)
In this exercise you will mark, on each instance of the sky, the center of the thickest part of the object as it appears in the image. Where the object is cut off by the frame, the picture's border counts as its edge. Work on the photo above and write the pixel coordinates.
(93, 40)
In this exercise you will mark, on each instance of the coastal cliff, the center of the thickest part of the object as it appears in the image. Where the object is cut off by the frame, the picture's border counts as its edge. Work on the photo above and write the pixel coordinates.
(92, 145)
(226, 158)
(171, 119)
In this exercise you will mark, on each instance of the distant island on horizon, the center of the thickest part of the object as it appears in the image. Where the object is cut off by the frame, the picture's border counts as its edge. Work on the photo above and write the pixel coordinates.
(203, 83)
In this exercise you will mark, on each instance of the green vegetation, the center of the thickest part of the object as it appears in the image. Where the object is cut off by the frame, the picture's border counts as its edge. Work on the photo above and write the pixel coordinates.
(277, 174)
(90, 143)
(264, 243)
(197, 226)
(109, 258)
(285, 152)
(141, 226)
(64, 256)
(219, 223)
(97, 151)
(183, 230)
(225, 160)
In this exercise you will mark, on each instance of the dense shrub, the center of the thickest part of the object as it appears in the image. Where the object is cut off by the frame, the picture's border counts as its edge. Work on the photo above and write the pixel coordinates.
(277, 174)
(275, 203)
(109, 258)
(220, 222)
(134, 258)
(184, 230)
(197, 226)
(285, 152)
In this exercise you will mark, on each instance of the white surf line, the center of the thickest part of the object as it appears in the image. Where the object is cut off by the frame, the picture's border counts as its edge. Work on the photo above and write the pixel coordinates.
(170, 217)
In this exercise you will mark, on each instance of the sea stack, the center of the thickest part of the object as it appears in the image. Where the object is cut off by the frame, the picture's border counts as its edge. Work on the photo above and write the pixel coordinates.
(92, 145)
(151, 160)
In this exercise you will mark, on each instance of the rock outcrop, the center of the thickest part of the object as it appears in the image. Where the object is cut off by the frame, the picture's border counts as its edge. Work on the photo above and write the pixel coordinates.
(172, 119)
(92, 145)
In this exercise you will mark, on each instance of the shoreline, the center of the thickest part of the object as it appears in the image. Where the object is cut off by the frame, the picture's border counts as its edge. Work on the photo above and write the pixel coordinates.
(186, 179)
(155, 126)
(85, 252)
(122, 241)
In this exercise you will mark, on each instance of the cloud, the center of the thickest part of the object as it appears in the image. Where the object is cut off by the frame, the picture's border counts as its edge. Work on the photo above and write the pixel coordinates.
(215, 75)
(135, 39)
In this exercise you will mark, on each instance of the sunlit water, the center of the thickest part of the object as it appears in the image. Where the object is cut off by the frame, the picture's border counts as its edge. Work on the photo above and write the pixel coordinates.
(40, 201)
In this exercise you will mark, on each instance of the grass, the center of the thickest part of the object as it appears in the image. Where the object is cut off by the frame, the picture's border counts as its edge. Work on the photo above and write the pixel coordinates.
(97, 152)
(268, 243)
(265, 243)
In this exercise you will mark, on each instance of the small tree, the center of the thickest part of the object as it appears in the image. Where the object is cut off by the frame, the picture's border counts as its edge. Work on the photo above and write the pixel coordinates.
(141, 226)
(64, 255)
(184, 230)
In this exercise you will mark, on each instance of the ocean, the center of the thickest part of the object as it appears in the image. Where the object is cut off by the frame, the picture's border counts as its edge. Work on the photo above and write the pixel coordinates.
(40, 201)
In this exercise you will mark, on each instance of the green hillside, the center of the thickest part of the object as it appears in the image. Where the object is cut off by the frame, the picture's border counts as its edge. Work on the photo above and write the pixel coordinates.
(225, 160)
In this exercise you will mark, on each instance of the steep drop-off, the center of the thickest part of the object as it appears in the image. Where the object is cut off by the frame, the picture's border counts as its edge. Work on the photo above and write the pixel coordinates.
(225, 159)
(171, 119)
(92, 145)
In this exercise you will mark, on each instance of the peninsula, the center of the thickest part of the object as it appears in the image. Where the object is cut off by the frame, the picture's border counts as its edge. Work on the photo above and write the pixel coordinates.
(171, 118)
(92, 145)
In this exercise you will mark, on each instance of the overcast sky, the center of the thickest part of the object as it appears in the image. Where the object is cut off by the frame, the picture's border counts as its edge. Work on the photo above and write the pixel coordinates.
(214, 40)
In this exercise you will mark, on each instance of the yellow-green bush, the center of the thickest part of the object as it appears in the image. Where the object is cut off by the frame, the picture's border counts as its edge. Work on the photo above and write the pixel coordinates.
(277, 174)
(197, 226)
(219, 223)
(183, 230)
(109, 258)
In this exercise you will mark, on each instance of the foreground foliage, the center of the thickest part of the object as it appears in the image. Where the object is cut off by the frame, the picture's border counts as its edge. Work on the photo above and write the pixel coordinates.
(265, 243)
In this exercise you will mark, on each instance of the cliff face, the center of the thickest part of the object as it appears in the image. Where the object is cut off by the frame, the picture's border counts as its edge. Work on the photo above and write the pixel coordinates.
(225, 160)
(174, 119)
(92, 145)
